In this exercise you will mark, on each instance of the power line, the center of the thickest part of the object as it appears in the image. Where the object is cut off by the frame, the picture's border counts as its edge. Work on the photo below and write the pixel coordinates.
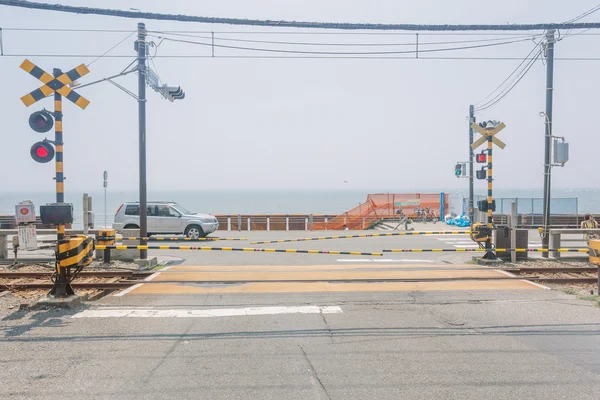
(341, 53)
(494, 101)
(525, 59)
(583, 15)
(290, 24)
(291, 57)
(341, 44)
(112, 48)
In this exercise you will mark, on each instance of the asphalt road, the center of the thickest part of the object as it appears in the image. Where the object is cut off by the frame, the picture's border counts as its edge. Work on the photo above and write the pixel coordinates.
(468, 341)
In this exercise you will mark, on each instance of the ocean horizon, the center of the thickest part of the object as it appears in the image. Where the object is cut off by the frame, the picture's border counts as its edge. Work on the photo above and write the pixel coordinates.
(310, 201)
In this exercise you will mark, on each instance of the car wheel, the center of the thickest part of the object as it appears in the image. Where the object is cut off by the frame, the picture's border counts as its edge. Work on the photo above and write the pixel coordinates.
(194, 232)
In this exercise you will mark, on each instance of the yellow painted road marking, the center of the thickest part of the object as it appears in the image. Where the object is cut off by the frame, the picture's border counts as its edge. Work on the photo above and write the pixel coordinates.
(291, 287)
(325, 274)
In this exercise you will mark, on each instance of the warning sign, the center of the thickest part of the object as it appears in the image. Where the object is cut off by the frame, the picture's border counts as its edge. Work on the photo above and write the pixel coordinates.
(25, 213)
(27, 237)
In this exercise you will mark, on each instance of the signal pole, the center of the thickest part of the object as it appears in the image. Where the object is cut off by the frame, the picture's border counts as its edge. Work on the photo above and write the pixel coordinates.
(489, 253)
(548, 134)
(471, 194)
(61, 287)
(141, 51)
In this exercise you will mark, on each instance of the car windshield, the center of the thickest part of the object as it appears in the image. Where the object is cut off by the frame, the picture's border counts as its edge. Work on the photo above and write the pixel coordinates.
(181, 209)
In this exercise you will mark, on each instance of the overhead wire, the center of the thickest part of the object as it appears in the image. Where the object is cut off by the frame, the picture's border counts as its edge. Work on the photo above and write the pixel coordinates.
(291, 57)
(140, 15)
(525, 59)
(278, 42)
(500, 96)
(272, 32)
(579, 17)
(331, 53)
(112, 48)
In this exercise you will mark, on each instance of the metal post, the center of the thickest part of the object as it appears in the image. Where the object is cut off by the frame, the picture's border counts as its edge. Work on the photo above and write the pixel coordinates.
(61, 286)
(471, 190)
(489, 253)
(548, 133)
(141, 51)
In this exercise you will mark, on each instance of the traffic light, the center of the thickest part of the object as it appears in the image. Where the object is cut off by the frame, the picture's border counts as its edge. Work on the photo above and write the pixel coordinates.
(481, 158)
(41, 121)
(482, 205)
(481, 174)
(458, 170)
(172, 93)
(42, 152)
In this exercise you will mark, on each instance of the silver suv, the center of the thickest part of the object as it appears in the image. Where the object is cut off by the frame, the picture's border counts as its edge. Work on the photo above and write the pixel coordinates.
(165, 217)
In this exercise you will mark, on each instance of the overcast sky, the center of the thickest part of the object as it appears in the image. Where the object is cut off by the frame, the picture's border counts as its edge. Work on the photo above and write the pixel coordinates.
(300, 123)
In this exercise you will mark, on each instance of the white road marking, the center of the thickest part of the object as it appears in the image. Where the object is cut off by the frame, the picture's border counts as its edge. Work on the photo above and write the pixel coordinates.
(383, 260)
(523, 280)
(218, 312)
(404, 260)
(129, 289)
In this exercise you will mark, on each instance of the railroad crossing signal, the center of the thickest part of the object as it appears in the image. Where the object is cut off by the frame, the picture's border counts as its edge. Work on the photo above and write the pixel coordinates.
(52, 84)
(76, 252)
(488, 130)
(492, 130)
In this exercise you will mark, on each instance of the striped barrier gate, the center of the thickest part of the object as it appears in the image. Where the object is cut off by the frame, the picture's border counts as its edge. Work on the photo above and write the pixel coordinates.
(173, 239)
(538, 250)
(242, 249)
(365, 235)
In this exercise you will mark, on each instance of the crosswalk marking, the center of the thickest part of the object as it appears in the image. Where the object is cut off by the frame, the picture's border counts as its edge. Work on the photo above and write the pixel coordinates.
(199, 313)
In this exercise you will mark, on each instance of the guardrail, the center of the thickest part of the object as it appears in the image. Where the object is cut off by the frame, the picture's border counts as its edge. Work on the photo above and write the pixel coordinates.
(556, 237)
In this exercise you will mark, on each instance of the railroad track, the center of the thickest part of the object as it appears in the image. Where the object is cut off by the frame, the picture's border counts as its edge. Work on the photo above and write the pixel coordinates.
(15, 280)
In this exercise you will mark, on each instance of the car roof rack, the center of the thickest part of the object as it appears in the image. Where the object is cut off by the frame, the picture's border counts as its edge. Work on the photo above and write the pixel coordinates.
(152, 201)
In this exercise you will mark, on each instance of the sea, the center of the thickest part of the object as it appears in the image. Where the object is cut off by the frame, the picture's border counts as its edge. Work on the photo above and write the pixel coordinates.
(564, 201)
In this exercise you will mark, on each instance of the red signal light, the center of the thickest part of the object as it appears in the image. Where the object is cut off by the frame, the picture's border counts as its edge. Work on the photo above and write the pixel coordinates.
(42, 152)
(481, 158)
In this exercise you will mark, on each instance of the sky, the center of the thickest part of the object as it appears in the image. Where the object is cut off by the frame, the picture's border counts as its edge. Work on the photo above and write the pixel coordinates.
(299, 123)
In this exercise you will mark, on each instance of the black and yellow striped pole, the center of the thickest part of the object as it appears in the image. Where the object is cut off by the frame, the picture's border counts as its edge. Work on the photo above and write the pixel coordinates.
(489, 253)
(58, 146)
(61, 285)
(487, 132)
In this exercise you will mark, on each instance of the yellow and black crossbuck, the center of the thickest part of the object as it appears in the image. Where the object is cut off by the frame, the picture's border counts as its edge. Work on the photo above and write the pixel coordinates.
(52, 84)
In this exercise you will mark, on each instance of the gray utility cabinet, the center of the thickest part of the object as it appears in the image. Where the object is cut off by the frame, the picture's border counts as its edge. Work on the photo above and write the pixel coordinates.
(502, 241)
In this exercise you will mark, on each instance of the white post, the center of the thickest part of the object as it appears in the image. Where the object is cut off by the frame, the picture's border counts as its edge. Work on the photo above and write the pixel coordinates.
(305, 224)
(105, 211)
(248, 223)
(513, 232)
(85, 213)
(268, 223)
(228, 223)
(287, 222)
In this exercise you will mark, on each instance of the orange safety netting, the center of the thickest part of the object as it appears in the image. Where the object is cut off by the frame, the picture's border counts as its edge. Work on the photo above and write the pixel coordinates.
(383, 206)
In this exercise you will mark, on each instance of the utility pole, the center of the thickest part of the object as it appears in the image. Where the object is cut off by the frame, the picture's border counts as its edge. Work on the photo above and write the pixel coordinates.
(471, 194)
(548, 137)
(141, 50)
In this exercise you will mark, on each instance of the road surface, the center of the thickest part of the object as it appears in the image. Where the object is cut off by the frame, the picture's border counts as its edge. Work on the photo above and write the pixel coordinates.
(311, 327)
